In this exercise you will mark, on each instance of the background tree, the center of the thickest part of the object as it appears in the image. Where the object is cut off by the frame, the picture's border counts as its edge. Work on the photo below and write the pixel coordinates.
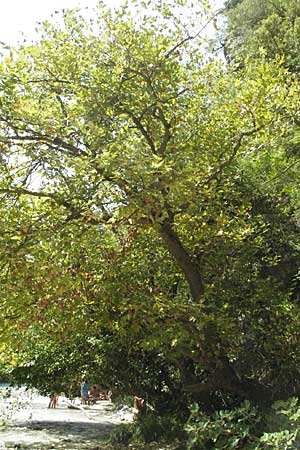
(270, 26)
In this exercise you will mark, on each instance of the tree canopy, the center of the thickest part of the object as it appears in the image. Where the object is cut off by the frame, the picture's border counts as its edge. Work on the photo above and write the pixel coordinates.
(149, 203)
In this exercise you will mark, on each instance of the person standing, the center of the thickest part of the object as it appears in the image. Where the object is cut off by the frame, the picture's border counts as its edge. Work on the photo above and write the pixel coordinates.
(84, 391)
(53, 400)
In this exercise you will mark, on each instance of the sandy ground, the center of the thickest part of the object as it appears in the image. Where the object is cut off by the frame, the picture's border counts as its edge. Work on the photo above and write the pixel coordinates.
(29, 424)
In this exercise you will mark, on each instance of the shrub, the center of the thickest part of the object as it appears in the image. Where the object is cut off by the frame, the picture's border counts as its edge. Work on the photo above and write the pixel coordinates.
(148, 428)
(243, 428)
(152, 427)
(122, 434)
(120, 401)
(282, 426)
(225, 429)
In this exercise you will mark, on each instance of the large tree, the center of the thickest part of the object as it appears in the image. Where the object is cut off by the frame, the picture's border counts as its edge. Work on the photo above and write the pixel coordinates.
(133, 198)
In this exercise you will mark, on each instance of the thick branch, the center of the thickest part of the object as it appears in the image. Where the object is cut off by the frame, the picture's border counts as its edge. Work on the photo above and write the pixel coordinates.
(75, 213)
(167, 135)
(140, 127)
(184, 261)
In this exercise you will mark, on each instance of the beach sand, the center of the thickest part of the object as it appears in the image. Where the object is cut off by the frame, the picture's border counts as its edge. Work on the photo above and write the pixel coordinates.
(29, 424)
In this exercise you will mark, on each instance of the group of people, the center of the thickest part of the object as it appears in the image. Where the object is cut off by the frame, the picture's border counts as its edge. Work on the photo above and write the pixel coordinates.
(93, 393)
(88, 394)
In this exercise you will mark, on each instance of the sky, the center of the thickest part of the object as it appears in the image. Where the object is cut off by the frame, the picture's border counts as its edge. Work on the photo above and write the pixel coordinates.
(17, 16)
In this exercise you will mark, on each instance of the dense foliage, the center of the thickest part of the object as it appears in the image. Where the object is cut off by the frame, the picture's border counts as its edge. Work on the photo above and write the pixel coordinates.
(270, 27)
(150, 210)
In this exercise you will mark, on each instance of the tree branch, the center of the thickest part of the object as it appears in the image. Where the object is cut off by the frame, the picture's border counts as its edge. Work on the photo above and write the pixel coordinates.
(184, 260)
(233, 154)
(294, 163)
(57, 142)
(140, 127)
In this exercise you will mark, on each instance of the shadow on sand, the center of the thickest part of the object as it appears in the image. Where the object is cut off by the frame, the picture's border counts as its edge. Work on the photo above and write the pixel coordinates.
(44, 435)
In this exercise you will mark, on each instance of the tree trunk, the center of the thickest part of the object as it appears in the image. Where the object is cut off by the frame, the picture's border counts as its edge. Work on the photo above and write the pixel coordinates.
(184, 261)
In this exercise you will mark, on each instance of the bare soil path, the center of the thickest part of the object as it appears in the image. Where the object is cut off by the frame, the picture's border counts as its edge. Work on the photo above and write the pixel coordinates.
(29, 424)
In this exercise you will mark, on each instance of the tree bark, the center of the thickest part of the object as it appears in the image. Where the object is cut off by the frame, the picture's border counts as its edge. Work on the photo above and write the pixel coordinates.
(184, 260)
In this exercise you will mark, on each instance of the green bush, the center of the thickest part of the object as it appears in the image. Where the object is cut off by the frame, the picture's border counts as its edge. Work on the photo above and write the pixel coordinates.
(152, 427)
(225, 429)
(122, 400)
(122, 434)
(282, 426)
(243, 428)
(148, 428)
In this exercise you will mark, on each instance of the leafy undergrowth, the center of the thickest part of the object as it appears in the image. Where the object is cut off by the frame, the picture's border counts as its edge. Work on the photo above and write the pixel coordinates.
(149, 431)
(243, 427)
